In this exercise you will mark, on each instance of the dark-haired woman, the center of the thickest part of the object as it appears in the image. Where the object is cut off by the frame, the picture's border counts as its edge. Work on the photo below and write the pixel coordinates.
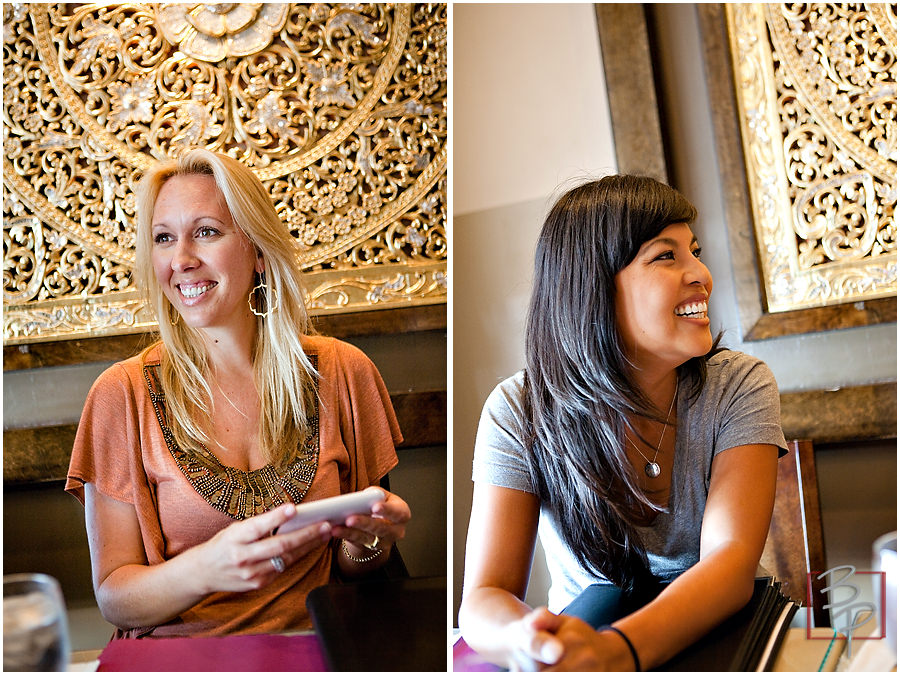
(644, 455)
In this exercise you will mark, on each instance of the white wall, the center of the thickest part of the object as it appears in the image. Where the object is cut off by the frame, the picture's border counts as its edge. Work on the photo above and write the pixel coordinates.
(529, 102)
(529, 113)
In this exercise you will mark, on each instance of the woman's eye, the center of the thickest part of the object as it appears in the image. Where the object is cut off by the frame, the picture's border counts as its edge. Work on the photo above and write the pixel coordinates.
(207, 232)
(668, 255)
(697, 251)
(161, 238)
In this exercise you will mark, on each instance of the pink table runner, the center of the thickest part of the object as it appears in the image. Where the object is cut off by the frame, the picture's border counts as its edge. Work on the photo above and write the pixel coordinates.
(227, 654)
(466, 660)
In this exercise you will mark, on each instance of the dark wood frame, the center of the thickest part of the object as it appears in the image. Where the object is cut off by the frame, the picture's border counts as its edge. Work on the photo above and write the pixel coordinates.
(846, 415)
(631, 86)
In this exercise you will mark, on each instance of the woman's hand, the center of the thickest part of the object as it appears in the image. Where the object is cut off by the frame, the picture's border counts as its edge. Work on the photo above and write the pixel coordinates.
(239, 558)
(544, 641)
(385, 525)
(530, 641)
(387, 521)
(582, 648)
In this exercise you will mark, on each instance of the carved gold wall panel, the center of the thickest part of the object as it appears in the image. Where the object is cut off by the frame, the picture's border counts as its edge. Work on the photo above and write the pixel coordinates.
(341, 110)
(817, 98)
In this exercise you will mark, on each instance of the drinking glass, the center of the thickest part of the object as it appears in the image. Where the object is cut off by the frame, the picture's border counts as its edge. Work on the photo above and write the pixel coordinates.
(35, 631)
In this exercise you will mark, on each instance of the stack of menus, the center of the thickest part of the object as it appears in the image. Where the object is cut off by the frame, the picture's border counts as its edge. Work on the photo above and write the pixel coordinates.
(746, 641)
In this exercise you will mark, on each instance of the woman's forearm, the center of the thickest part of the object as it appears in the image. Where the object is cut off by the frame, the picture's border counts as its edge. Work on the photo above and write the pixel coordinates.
(484, 619)
(692, 605)
(135, 596)
(238, 558)
(735, 523)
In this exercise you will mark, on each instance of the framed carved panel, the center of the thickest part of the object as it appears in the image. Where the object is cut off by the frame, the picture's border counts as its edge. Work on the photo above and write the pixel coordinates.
(805, 109)
(341, 110)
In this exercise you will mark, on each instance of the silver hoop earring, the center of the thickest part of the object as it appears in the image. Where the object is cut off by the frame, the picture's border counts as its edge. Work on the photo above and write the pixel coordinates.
(271, 305)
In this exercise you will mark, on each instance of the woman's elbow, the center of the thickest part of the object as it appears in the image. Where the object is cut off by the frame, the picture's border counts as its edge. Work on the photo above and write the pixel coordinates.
(467, 607)
(472, 607)
(742, 585)
(745, 592)
(116, 609)
(109, 609)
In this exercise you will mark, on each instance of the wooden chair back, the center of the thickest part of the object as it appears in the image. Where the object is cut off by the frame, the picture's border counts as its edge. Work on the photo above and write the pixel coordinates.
(795, 546)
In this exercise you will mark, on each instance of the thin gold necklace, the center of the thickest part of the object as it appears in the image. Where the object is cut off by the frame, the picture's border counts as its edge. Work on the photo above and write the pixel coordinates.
(652, 468)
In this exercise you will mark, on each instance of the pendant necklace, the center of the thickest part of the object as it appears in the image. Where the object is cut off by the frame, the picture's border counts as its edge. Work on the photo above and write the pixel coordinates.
(652, 468)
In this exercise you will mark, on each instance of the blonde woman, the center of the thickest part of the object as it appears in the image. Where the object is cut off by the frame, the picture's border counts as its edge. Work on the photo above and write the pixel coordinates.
(189, 455)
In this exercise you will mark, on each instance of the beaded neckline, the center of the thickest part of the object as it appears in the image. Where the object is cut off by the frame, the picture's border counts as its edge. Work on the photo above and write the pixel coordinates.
(240, 494)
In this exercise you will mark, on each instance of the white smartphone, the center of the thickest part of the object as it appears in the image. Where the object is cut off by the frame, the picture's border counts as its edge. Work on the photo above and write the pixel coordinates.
(335, 510)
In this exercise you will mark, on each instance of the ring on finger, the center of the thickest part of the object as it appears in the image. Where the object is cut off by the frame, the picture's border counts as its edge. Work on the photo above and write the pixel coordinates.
(278, 563)
(374, 545)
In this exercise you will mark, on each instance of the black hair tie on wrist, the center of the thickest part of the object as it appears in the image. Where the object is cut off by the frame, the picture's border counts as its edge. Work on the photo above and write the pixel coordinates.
(637, 661)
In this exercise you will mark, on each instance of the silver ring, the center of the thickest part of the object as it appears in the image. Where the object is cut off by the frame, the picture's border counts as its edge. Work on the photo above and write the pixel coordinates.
(374, 545)
(278, 563)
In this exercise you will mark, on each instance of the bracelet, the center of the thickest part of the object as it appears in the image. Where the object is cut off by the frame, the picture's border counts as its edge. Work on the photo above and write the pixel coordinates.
(365, 559)
(637, 661)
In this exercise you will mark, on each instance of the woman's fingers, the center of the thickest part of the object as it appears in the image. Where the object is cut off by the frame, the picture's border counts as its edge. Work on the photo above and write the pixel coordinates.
(291, 546)
(393, 508)
(532, 640)
(260, 526)
(251, 547)
(363, 530)
(387, 522)
(245, 556)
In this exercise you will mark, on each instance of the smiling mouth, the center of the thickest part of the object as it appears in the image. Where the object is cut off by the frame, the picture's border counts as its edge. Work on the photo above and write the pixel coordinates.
(192, 292)
(694, 310)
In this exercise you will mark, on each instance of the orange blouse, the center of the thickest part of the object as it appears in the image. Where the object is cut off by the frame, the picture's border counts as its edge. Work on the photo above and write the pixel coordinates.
(182, 499)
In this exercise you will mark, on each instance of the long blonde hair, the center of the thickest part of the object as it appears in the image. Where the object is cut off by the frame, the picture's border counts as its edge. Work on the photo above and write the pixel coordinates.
(284, 376)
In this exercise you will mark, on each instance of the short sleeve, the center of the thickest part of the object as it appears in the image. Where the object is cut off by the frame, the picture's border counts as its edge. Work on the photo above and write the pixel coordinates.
(499, 450)
(107, 450)
(368, 423)
(751, 408)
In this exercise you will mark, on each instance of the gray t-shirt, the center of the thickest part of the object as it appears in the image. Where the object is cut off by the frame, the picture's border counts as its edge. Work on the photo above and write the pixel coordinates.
(738, 405)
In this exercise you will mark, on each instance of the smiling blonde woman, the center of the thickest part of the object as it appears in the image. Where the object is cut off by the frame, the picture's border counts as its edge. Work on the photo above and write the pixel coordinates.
(190, 455)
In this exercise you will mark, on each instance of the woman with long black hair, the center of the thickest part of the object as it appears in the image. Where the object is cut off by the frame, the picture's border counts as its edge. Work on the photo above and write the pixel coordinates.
(643, 454)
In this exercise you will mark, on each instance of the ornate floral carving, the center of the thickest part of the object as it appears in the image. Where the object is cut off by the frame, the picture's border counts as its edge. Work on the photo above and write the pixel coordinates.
(212, 32)
(816, 85)
(340, 109)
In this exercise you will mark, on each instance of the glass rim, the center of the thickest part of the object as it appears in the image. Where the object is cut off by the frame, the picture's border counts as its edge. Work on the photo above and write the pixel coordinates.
(20, 577)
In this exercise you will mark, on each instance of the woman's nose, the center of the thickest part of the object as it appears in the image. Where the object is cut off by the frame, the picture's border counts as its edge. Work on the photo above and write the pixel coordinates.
(698, 273)
(184, 257)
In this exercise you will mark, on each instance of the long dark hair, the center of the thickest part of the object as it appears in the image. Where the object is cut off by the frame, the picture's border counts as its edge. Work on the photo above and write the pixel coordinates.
(579, 390)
